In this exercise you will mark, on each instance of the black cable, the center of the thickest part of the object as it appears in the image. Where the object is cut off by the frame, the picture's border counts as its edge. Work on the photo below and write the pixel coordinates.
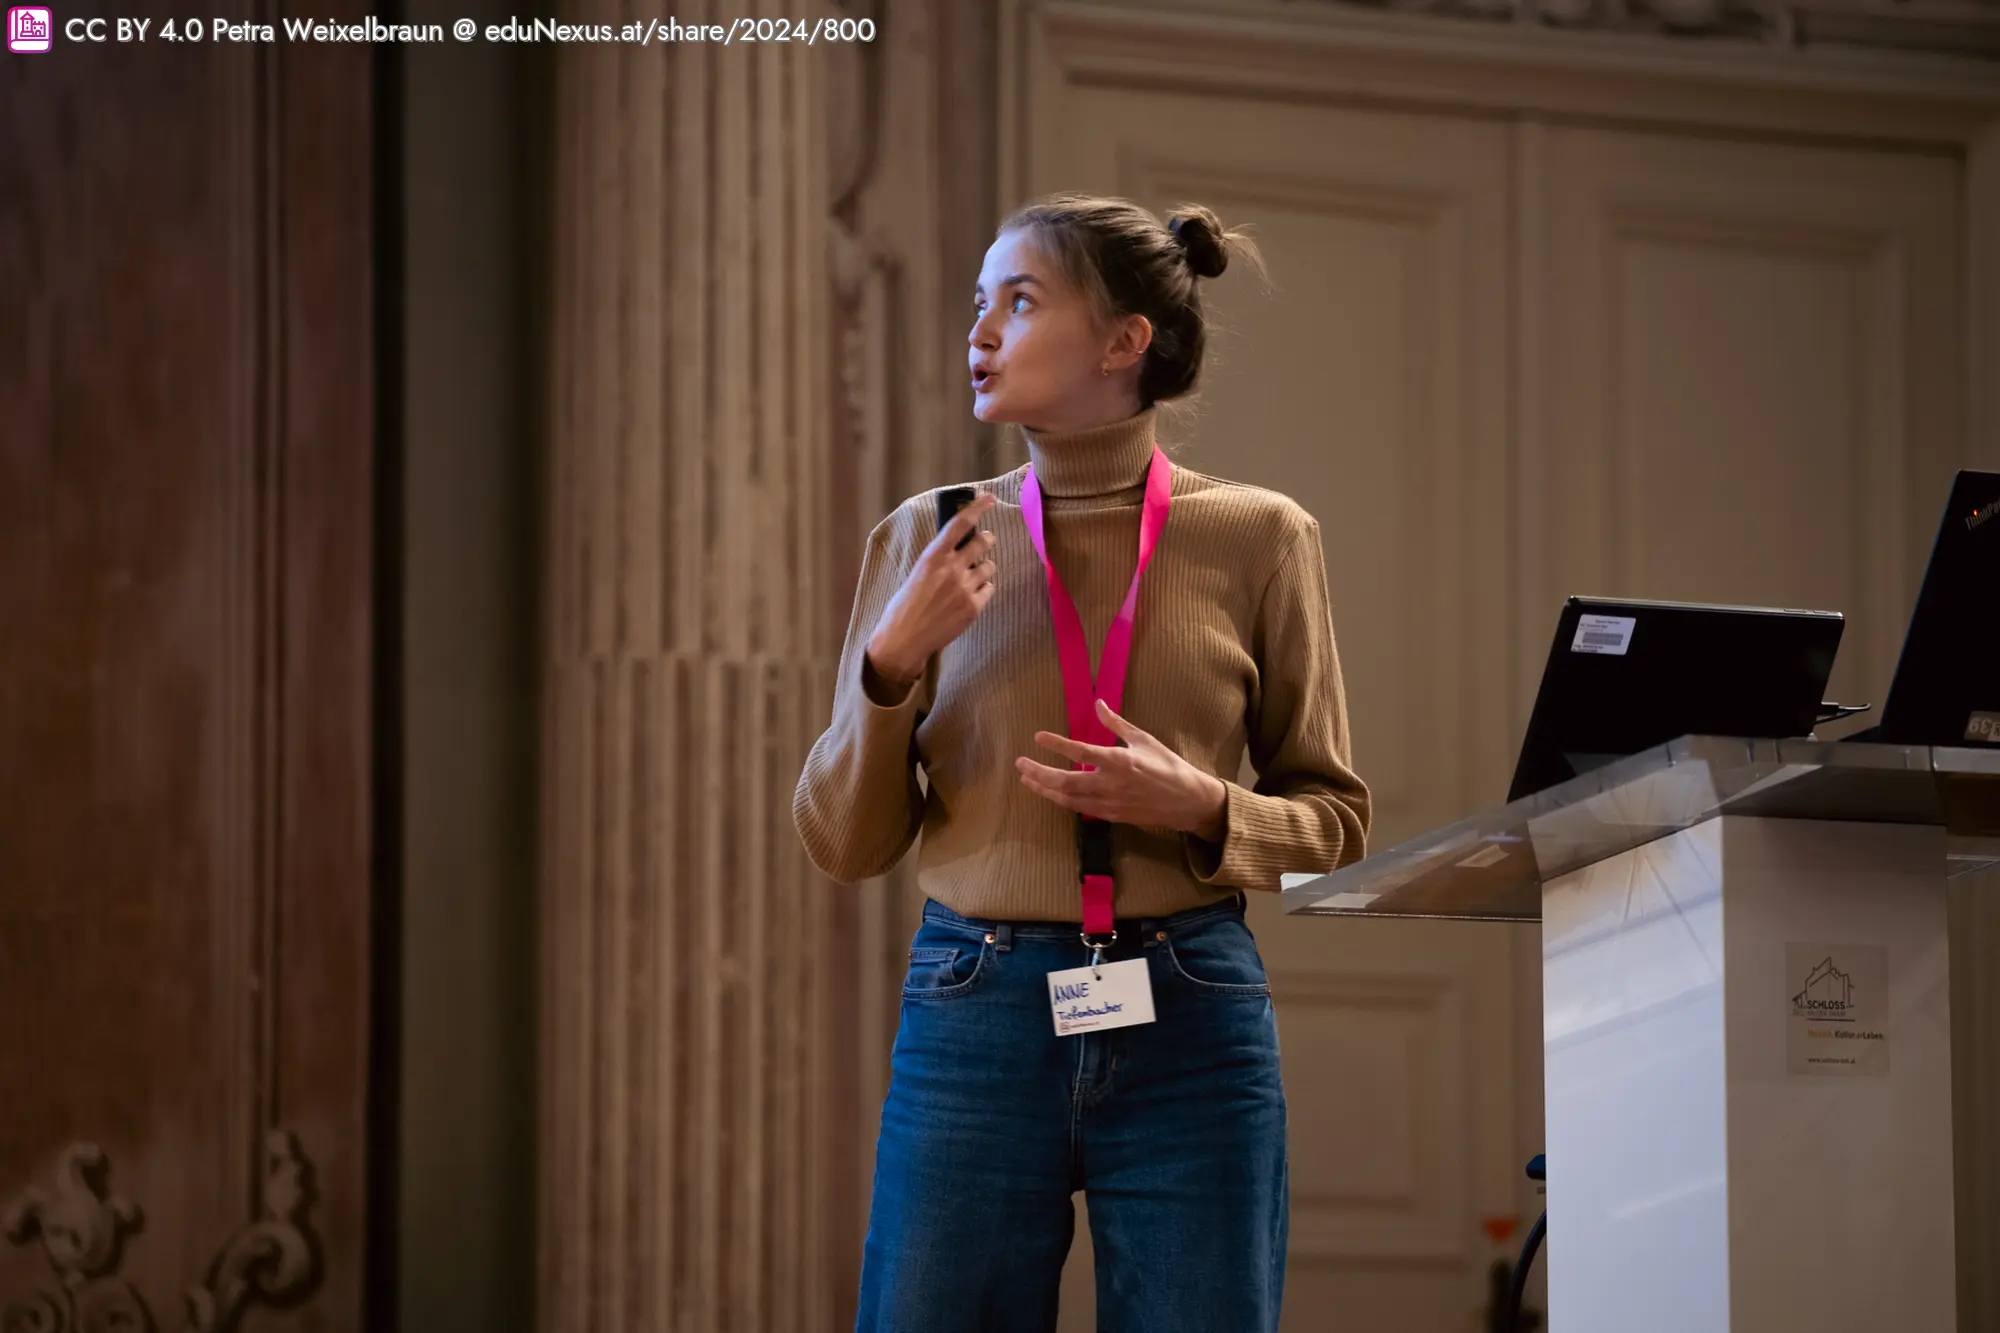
(1510, 1316)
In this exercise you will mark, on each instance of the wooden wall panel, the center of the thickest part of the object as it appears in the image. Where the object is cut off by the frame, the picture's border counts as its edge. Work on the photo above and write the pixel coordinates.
(186, 479)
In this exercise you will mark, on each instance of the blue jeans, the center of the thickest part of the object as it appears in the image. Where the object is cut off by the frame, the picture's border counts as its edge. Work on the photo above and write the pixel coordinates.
(1174, 1130)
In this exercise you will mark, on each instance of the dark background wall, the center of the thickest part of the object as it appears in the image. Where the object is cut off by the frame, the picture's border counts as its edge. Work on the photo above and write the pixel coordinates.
(474, 197)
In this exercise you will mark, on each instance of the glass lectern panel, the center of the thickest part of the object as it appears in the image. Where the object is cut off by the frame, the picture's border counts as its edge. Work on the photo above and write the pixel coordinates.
(1491, 867)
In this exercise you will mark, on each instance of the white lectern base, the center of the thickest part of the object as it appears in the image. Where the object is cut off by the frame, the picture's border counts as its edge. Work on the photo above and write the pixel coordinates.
(1749, 1083)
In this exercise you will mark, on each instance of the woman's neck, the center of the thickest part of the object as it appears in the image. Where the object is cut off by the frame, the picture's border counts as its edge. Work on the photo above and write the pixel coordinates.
(1099, 460)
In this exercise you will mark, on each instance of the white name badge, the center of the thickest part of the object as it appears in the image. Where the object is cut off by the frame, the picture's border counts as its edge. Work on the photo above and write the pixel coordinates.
(1111, 995)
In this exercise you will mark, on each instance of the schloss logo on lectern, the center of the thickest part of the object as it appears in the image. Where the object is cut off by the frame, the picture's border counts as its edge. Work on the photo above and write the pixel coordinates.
(1828, 995)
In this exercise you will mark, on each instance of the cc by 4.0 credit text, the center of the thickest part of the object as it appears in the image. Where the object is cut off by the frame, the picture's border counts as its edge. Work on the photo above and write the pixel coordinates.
(665, 31)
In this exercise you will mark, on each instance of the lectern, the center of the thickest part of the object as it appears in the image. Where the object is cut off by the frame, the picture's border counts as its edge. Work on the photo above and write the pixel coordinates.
(1746, 1025)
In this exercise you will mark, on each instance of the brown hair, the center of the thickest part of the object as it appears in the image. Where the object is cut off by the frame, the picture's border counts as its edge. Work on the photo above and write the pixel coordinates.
(1127, 263)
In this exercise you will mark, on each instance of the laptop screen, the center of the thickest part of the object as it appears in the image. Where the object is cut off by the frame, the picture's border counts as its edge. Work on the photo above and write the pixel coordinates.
(1947, 685)
(1625, 676)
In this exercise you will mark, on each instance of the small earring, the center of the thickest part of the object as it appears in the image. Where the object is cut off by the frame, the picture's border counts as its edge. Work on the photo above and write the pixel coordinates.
(1104, 369)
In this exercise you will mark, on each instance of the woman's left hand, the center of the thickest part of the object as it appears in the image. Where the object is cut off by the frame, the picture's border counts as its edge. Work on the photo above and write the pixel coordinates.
(1140, 782)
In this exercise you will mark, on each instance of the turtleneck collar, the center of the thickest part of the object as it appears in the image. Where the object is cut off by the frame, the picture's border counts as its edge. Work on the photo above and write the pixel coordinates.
(1098, 461)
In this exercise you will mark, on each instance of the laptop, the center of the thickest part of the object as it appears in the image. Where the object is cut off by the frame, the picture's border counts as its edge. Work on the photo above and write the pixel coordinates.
(1625, 676)
(1946, 690)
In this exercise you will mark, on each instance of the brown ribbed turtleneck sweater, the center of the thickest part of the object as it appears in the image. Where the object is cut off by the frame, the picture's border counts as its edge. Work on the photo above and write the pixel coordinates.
(1233, 647)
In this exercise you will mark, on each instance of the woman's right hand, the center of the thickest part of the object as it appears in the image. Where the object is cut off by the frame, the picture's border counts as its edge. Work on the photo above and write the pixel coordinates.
(944, 592)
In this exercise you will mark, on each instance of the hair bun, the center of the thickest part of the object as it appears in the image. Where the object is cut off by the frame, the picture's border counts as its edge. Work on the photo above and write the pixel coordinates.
(1199, 233)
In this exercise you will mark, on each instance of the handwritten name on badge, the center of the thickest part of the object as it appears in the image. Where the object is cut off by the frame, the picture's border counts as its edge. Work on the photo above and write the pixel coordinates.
(1113, 995)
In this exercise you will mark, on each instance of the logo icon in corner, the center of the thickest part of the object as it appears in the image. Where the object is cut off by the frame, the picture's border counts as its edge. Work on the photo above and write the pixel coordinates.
(29, 28)
(1983, 727)
(1828, 997)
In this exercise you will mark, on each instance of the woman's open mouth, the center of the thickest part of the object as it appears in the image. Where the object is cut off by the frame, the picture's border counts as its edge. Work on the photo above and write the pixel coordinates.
(983, 379)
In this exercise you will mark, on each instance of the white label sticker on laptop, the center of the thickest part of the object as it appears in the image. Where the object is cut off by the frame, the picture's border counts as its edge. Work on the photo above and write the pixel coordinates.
(1603, 634)
(1111, 995)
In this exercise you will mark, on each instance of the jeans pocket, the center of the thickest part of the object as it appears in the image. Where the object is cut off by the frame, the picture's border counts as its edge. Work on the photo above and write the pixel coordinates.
(1219, 959)
(941, 974)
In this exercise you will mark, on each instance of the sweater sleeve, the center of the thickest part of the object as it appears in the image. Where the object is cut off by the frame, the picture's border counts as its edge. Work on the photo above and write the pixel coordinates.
(858, 805)
(1309, 811)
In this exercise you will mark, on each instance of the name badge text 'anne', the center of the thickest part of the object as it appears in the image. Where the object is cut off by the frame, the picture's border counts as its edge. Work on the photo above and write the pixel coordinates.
(1110, 995)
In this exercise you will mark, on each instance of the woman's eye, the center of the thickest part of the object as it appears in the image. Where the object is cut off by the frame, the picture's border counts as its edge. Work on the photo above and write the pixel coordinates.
(979, 307)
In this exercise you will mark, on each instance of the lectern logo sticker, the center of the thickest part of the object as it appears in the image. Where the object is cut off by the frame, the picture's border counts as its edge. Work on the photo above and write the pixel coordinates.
(1836, 1022)
(1829, 994)
(1983, 727)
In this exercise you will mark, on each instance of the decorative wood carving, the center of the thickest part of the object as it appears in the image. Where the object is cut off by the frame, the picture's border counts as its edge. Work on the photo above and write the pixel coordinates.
(82, 1229)
(274, 1260)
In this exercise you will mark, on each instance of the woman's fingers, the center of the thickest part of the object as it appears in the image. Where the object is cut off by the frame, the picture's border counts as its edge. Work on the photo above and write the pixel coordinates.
(1062, 745)
(942, 593)
(1068, 780)
(980, 568)
(1119, 727)
(1067, 788)
(1097, 756)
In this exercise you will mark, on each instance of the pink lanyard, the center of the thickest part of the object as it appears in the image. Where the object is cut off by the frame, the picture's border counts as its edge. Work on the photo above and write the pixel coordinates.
(1080, 689)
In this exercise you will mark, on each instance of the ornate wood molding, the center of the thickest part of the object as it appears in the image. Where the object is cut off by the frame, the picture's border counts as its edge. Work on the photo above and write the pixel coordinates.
(1943, 27)
(82, 1228)
(1360, 52)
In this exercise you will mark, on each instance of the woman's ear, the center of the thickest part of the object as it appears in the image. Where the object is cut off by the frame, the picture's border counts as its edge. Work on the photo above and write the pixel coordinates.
(1135, 335)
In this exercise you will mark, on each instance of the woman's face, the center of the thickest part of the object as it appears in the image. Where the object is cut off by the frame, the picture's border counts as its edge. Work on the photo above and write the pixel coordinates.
(1037, 350)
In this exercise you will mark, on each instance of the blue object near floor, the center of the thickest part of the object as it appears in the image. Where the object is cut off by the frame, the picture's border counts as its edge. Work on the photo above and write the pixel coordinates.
(1510, 1317)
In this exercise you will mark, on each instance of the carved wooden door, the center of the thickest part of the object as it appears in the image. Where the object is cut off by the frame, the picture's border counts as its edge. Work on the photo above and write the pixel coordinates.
(186, 739)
